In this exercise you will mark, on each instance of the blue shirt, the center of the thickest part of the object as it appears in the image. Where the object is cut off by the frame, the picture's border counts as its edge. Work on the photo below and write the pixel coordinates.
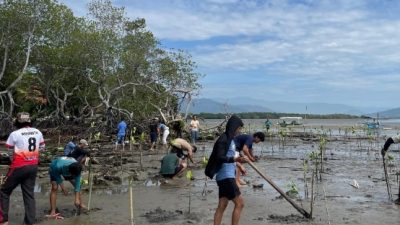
(69, 148)
(59, 167)
(163, 127)
(243, 139)
(121, 128)
(228, 170)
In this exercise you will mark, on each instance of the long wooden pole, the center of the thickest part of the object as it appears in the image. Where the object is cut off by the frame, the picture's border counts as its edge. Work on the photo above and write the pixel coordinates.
(387, 178)
(131, 201)
(90, 184)
(297, 207)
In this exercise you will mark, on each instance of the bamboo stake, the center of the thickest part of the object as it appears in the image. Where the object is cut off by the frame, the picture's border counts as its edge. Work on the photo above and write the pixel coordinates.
(122, 151)
(312, 194)
(90, 184)
(131, 200)
(297, 207)
(387, 179)
(141, 156)
(326, 205)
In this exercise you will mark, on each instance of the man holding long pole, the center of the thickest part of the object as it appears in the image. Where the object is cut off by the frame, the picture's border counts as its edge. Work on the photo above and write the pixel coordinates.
(222, 164)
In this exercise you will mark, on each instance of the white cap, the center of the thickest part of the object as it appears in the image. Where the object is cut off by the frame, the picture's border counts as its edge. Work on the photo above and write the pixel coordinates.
(84, 142)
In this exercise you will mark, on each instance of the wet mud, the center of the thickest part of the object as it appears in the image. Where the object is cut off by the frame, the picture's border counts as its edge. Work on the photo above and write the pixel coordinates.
(159, 201)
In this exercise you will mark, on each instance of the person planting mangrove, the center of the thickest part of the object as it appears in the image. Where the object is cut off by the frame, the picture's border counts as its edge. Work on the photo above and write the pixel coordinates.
(388, 142)
(172, 166)
(183, 149)
(80, 152)
(244, 142)
(70, 146)
(154, 131)
(24, 145)
(164, 130)
(177, 126)
(222, 163)
(69, 169)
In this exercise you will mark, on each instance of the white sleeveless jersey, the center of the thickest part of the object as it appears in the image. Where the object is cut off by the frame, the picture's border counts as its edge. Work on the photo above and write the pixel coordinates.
(26, 143)
(396, 139)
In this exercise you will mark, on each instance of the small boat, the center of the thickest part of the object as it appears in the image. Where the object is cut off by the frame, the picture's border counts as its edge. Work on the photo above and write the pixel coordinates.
(285, 121)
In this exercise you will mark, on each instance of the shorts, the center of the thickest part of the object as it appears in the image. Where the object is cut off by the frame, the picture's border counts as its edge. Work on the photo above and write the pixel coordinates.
(228, 188)
(120, 138)
(53, 176)
(153, 137)
(178, 152)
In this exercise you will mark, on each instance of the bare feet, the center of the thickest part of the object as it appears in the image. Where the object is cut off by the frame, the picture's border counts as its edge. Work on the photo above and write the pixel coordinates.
(56, 216)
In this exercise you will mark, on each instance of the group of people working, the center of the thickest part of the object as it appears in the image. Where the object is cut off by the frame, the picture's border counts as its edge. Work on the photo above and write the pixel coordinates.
(157, 127)
(24, 145)
(230, 151)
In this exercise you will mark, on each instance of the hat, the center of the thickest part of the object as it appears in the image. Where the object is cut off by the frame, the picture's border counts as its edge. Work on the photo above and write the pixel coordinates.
(83, 142)
(23, 117)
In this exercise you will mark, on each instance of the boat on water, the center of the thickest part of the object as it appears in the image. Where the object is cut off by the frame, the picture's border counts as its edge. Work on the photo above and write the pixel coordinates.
(290, 121)
(372, 125)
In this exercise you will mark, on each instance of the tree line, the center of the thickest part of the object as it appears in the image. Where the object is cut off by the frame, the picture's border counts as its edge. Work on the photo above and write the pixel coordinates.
(275, 115)
(60, 67)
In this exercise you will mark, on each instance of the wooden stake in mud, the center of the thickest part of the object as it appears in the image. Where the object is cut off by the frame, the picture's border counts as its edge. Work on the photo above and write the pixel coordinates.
(131, 200)
(387, 179)
(312, 193)
(297, 207)
(122, 151)
(90, 184)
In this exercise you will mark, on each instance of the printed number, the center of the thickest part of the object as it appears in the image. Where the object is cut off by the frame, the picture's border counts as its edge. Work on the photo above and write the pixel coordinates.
(32, 144)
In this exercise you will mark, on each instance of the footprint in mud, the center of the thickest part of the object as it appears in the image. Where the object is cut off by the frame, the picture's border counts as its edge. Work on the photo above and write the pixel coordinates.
(160, 215)
(287, 219)
(69, 213)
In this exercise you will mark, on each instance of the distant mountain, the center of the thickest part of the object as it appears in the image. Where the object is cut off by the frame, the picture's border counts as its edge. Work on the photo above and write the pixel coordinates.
(210, 106)
(391, 113)
(244, 104)
(309, 108)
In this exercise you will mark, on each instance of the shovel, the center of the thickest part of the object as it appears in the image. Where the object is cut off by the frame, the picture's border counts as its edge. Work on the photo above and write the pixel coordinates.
(297, 207)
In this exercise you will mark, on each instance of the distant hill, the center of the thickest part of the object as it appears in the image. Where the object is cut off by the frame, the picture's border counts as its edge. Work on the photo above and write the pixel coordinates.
(204, 105)
(391, 113)
(244, 104)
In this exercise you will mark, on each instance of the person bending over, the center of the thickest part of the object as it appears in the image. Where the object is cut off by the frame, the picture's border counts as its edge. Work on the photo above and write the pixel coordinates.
(172, 166)
(69, 169)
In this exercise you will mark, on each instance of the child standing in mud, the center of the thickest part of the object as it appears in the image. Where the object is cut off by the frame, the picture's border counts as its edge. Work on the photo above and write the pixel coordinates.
(222, 164)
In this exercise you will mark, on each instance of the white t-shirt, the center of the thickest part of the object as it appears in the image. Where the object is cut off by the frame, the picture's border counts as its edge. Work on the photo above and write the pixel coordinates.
(396, 139)
(25, 143)
(194, 125)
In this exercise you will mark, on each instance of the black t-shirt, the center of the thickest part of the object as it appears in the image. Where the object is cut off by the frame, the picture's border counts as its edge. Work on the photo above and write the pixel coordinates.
(153, 128)
(78, 153)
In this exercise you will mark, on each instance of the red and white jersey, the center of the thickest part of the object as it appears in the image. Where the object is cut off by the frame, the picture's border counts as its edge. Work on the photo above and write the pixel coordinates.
(25, 143)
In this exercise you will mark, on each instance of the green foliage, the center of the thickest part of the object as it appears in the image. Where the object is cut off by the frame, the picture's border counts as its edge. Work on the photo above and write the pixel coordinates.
(79, 67)
(314, 155)
(293, 190)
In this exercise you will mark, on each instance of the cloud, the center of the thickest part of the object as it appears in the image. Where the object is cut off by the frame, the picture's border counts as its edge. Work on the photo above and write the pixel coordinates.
(307, 46)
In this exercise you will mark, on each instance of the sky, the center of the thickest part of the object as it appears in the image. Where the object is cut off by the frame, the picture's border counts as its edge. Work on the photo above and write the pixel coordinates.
(341, 51)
